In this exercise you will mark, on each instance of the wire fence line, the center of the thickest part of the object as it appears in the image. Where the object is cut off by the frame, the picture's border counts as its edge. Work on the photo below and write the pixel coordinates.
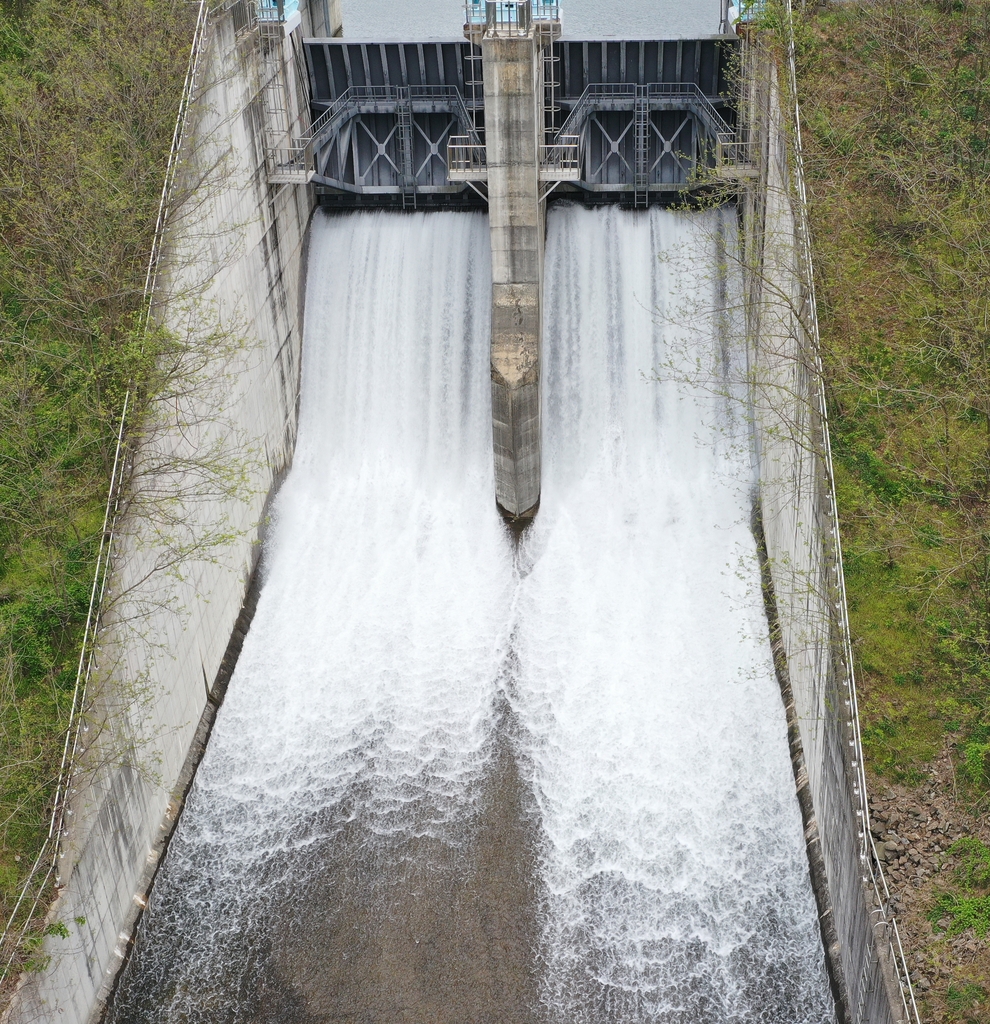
(32, 895)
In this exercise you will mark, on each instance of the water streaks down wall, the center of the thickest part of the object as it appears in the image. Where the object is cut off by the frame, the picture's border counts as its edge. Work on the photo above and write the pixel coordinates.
(467, 779)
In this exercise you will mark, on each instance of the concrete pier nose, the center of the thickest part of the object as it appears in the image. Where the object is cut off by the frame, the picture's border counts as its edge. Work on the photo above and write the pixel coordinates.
(511, 46)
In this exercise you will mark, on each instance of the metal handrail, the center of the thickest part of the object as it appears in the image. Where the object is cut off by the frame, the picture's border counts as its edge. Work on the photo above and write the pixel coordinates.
(342, 108)
(749, 10)
(561, 158)
(48, 856)
(605, 90)
(728, 146)
(289, 163)
(513, 17)
(467, 159)
(270, 11)
(730, 149)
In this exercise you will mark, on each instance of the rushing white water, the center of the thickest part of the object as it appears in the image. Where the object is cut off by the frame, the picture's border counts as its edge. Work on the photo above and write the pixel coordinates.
(364, 691)
(677, 879)
(354, 847)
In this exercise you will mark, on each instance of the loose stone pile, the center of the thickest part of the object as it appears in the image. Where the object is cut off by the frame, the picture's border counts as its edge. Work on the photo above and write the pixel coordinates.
(913, 831)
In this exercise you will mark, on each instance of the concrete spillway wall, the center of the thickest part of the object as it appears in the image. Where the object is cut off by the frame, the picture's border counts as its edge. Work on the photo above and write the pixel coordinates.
(229, 288)
(803, 571)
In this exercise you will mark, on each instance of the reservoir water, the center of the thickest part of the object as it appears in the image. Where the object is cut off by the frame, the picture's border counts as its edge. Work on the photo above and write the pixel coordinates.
(463, 776)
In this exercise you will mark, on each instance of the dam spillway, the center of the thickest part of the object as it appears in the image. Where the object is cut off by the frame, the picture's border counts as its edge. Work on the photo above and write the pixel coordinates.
(460, 776)
(674, 863)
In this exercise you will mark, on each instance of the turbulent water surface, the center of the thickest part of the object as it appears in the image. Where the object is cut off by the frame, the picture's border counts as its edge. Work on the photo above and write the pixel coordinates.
(674, 862)
(463, 777)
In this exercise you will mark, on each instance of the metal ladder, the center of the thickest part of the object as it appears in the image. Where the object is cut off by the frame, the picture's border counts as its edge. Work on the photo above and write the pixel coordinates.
(641, 195)
(551, 86)
(407, 171)
(474, 84)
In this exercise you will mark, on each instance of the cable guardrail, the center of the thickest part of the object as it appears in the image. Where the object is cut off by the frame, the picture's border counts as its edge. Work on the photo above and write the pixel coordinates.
(45, 865)
(868, 851)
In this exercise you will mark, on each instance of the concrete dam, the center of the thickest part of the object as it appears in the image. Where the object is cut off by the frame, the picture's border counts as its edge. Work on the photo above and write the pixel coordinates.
(546, 534)
(459, 778)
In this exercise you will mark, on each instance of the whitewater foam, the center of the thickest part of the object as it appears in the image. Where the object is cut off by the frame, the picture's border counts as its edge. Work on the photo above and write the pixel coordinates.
(458, 779)
(676, 877)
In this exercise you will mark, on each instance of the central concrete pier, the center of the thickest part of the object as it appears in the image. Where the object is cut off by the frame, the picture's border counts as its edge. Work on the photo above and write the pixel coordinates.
(513, 74)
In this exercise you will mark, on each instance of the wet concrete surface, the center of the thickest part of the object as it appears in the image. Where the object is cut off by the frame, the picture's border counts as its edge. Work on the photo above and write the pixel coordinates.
(405, 928)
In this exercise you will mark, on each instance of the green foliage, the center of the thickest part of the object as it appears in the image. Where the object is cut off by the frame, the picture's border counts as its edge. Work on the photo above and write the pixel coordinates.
(762, 15)
(88, 99)
(974, 868)
(32, 946)
(895, 101)
(970, 907)
(965, 997)
(964, 912)
(976, 758)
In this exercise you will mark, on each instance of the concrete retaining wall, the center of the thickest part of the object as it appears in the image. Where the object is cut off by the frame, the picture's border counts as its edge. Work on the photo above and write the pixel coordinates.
(803, 564)
(207, 460)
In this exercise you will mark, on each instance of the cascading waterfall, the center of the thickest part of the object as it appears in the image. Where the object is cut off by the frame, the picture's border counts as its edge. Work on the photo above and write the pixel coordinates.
(463, 778)
(358, 723)
(674, 864)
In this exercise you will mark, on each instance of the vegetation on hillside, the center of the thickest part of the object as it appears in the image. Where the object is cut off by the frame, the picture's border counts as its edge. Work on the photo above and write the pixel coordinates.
(89, 92)
(896, 111)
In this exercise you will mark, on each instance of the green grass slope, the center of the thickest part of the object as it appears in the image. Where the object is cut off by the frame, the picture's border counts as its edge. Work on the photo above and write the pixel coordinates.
(896, 110)
(89, 92)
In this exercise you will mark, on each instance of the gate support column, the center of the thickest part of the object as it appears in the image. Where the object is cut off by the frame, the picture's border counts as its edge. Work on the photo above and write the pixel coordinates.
(513, 76)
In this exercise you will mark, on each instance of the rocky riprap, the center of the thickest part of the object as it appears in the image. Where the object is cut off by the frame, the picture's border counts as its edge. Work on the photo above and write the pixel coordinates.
(913, 830)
